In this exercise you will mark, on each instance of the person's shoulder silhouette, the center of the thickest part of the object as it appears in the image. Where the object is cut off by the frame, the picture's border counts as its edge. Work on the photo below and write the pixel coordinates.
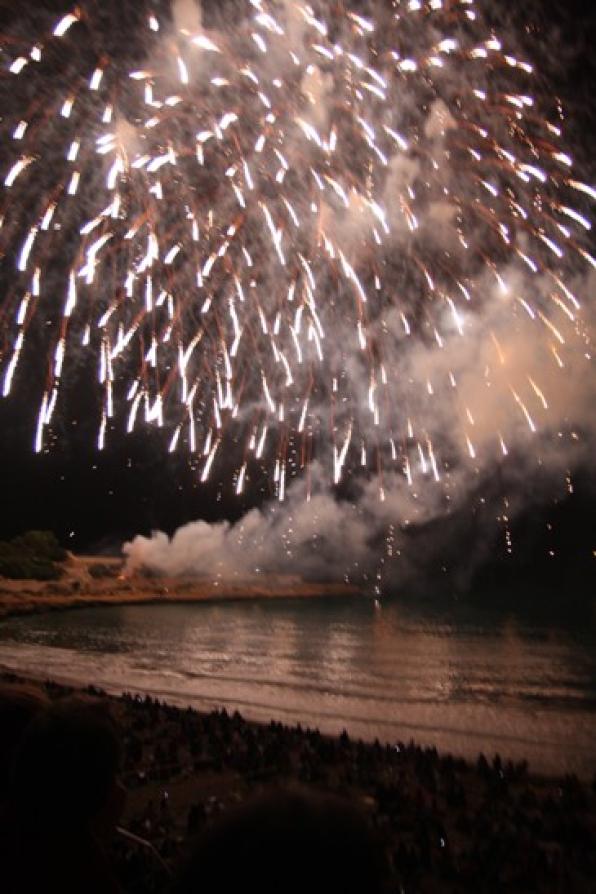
(287, 840)
(65, 799)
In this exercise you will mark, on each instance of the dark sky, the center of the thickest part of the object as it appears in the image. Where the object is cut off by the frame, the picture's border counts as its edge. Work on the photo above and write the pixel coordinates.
(94, 500)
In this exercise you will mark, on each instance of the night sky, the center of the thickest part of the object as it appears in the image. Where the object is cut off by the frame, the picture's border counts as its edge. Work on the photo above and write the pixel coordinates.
(94, 500)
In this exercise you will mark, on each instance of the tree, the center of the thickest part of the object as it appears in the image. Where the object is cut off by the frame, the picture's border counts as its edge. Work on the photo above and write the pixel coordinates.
(33, 555)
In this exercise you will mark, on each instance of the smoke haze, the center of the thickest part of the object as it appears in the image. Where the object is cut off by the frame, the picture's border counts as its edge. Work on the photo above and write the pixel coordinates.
(494, 389)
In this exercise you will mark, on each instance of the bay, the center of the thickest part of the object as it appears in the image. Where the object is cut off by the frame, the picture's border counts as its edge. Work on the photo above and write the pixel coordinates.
(465, 679)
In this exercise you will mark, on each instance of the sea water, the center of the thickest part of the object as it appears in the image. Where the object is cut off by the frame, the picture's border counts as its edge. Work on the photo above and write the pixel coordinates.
(464, 679)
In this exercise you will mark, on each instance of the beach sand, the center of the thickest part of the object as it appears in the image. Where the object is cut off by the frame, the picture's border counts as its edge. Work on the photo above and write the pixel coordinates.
(79, 587)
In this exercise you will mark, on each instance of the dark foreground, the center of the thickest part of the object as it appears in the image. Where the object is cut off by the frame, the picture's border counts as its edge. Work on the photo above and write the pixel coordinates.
(445, 824)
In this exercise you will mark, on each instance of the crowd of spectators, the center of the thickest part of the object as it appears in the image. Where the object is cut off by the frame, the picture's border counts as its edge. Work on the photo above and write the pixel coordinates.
(128, 794)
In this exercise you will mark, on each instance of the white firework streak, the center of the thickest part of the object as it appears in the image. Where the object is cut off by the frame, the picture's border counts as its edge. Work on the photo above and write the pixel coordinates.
(293, 227)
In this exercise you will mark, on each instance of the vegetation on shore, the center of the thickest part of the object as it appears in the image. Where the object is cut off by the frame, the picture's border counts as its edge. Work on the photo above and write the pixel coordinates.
(35, 555)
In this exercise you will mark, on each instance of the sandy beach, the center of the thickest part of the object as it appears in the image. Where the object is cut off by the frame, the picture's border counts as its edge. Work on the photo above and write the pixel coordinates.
(81, 586)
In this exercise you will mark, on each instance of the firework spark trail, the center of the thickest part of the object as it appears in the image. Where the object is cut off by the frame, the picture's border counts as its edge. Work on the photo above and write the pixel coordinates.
(286, 233)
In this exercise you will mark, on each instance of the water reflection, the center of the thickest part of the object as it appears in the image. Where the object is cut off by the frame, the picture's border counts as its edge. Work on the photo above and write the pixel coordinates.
(464, 679)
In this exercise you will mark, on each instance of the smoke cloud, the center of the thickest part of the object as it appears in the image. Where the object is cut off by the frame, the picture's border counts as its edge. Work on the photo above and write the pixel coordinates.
(344, 250)
(493, 385)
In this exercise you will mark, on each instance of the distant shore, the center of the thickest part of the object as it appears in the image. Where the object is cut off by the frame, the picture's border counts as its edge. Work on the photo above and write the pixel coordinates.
(90, 581)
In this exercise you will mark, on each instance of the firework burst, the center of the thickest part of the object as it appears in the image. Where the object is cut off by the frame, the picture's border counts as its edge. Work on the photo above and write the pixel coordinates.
(281, 239)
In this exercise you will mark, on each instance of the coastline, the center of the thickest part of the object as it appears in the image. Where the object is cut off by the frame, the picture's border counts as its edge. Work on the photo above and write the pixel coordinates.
(460, 731)
(78, 588)
(180, 655)
(33, 603)
(117, 694)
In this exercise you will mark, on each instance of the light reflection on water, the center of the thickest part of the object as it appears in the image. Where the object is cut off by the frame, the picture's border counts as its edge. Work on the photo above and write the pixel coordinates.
(465, 681)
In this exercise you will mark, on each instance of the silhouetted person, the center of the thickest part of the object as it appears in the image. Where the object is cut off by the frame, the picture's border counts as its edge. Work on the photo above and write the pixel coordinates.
(290, 841)
(65, 800)
(19, 704)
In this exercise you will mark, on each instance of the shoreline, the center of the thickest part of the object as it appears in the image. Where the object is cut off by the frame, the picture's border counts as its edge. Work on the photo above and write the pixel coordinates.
(33, 605)
(120, 693)
(80, 588)
(182, 702)
(449, 736)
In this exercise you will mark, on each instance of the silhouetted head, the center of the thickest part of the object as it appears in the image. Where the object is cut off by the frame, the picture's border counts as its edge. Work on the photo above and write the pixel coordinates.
(19, 704)
(286, 840)
(66, 769)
